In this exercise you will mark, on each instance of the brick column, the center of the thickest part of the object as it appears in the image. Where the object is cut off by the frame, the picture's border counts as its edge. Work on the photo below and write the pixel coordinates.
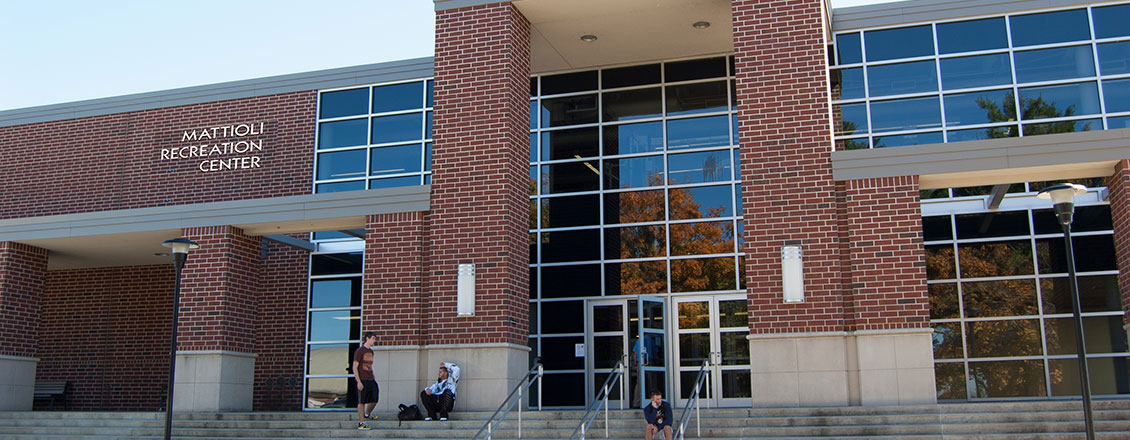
(789, 198)
(1119, 186)
(888, 290)
(215, 342)
(22, 271)
(479, 203)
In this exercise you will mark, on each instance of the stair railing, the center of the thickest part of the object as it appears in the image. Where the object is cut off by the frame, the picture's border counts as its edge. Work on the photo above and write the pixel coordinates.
(703, 374)
(514, 398)
(601, 401)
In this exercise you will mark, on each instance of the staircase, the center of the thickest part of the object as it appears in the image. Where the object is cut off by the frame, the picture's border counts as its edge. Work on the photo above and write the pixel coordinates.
(1043, 420)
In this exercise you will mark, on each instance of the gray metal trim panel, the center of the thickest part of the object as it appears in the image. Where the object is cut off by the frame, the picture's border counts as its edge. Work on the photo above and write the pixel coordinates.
(443, 5)
(918, 11)
(316, 80)
(236, 212)
(985, 155)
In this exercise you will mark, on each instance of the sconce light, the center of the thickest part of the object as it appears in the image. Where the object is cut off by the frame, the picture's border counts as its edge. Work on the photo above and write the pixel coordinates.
(465, 291)
(792, 273)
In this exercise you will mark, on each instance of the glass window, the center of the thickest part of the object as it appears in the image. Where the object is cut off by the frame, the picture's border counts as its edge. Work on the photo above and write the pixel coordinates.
(635, 278)
(335, 293)
(1114, 58)
(980, 107)
(644, 137)
(702, 274)
(561, 246)
(1007, 379)
(695, 69)
(1092, 253)
(329, 359)
(430, 93)
(702, 238)
(1086, 219)
(976, 71)
(395, 182)
(341, 164)
(982, 133)
(329, 392)
(943, 301)
(936, 228)
(851, 83)
(907, 42)
(342, 133)
(635, 242)
(322, 188)
(395, 97)
(1115, 123)
(1050, 27)
(973, 35)
(560, 212)
(335, 264)
(697, 98)
(632, 104)
(698, 132)
(634, 172)
(335, 325)
(568, 82)
(906, 114)
(852, 118)
(1059, 101)
(1117, 95)
(570, 281)
(999, 298)
(395, 160)
(1015, 337)
(557, 354)
(1106, 374)
(898, 79)
(563, 319)
(947, 341)
(1097, 293)
(570, 144)
(950, 380)
(992, 224)
(630, 76)
(397, 128)
(343, 103)
(700, 202)
(1055, 63)
(1110, 21)
(1063, 127)
(634, 207)
(1103, 334)
(706, 166)
(940, 264)
(906, 140)
(570, 177)
(995, 259)
(571, 110)
(847, 46)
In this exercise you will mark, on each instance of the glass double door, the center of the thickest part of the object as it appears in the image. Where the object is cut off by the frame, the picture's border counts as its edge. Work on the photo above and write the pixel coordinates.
(713, 328)
(633, 331)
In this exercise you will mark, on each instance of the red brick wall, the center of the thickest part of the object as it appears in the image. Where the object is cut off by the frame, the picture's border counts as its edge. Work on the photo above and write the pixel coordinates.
(280, 328)
(480, 168)
(114, 161)
(107, 331)
(22, 270)
(788, 193)
(393, 282)
(888, 262)
(1119, 186)
(219, 289)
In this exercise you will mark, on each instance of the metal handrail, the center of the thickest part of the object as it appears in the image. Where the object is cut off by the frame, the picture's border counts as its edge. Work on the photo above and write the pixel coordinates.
(698, 382)
(508, 404)
(601, 400)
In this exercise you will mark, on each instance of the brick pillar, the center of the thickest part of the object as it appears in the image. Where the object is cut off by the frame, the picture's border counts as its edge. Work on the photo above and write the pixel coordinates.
(22, 271)
(888, 291)
(479, 203)
(1119, 186)
(215, 341)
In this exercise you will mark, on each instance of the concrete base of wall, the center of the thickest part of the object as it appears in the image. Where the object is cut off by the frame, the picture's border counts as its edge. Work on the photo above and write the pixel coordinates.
(877, 367)
(17, 382)
(489, 373)
(213, 381)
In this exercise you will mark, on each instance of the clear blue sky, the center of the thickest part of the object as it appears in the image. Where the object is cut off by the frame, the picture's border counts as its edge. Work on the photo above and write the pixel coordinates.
(56, 51)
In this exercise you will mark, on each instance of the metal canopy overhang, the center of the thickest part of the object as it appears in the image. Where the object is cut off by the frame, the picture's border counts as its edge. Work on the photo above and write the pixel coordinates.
(131, 237)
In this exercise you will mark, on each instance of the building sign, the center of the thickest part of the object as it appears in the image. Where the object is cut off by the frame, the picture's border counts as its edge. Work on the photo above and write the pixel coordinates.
(221, 148)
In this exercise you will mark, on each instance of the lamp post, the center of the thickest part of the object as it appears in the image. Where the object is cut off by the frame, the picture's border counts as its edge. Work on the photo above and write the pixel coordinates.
(180, 248)
(1063, 197)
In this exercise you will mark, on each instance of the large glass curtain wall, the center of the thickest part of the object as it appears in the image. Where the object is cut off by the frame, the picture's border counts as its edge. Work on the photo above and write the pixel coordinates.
(1004, 76)
(1001, 308)
(634, 189)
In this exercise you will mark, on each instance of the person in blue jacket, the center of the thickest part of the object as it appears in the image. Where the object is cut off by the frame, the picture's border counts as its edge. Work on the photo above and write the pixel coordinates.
(657, 413)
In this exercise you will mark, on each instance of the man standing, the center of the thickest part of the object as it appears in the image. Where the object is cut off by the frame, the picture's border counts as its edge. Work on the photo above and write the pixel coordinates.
(657, 413)
(368, 393)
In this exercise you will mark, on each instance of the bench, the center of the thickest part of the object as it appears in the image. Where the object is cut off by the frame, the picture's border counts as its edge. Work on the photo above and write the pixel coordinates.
(53, 390)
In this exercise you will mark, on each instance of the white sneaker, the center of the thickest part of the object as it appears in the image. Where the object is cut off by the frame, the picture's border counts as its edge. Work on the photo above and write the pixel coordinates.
(427, 419)
(443, 419)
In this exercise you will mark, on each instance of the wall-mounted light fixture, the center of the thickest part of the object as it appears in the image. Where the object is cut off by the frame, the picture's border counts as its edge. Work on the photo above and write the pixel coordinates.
(465, 290)
(792, 273)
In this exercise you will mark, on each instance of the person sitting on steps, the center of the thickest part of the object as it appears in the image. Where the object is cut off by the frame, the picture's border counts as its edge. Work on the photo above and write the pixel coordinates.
(439, 397)
(657, 413)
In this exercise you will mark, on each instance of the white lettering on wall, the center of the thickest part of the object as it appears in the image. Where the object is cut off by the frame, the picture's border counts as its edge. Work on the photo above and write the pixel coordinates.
(224, 141)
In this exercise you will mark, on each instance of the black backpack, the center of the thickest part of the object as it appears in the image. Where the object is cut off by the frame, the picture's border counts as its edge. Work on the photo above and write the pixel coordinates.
(408, 412)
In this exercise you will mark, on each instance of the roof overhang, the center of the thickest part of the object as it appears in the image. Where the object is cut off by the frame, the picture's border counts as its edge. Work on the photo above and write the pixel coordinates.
(131, 237)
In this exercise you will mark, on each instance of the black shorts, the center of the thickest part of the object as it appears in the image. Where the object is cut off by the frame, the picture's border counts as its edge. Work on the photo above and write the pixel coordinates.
(371, 393)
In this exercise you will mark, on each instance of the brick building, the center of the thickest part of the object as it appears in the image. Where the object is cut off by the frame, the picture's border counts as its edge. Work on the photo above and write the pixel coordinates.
(622, 180)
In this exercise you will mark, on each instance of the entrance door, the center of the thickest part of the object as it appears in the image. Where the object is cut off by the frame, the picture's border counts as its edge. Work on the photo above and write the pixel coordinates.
(633, 330)
(607, 339)
(649, 348)
(714, 328)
